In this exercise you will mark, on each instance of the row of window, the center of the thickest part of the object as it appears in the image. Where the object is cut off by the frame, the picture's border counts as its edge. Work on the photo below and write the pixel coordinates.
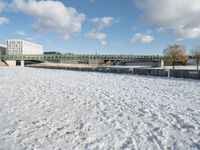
(21, 43)
(15, 52)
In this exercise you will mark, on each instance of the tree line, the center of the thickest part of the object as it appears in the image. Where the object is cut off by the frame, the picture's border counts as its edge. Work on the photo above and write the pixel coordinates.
(177, 54)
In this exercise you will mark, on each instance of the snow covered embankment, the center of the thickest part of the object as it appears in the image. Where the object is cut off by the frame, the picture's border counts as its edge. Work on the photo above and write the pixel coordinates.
(52, 109)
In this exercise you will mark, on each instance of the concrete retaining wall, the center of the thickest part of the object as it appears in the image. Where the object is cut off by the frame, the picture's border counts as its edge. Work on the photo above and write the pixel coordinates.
(2, 63)
(11, 63)
(192, 74)
(152, 72)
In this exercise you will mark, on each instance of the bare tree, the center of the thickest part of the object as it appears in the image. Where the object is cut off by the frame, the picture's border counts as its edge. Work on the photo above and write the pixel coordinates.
(175, 53)
(196, 53)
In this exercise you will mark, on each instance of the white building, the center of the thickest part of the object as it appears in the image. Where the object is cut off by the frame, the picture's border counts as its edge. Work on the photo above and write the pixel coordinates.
(21, 47)
(3, 49)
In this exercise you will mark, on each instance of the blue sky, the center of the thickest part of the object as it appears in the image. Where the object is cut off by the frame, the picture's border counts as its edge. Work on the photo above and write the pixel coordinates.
(102, 26)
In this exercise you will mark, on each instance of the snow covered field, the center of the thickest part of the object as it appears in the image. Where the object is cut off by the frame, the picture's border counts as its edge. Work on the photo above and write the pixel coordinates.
(59, 109)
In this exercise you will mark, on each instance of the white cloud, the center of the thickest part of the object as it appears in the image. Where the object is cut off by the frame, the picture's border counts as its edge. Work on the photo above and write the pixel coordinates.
(30, 38)
(4, 20)
(144, 38)
(149, 31)
(182, 16)
(134, 27)
(20, 33)
(104, 43)
(161, 29)
(51, 15)
(2, 5)
(104, 21)
(101, 23)
(100, 36)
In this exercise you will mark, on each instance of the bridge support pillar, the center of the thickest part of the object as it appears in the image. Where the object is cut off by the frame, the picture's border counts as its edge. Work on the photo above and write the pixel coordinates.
(162, 65)
(22, 63)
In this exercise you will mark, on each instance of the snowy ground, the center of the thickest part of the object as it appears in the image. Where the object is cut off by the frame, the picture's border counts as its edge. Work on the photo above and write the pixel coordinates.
(59, 109)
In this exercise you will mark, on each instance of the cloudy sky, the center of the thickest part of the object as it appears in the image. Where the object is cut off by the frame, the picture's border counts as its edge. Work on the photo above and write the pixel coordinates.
(102, 26)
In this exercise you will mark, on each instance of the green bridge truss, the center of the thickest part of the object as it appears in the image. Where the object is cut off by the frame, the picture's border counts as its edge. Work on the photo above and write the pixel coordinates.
(75, 58)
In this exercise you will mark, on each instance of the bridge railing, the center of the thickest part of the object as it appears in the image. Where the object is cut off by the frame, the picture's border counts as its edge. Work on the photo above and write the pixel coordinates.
(57, 57)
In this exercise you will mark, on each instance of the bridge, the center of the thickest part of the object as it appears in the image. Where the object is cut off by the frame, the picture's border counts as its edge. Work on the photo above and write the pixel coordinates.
(81, 59)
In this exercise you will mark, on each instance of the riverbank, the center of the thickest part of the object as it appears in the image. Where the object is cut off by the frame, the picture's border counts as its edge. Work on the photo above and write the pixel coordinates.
(180, 72)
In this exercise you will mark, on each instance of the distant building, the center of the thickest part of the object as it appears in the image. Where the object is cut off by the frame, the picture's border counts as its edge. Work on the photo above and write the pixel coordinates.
(3, 49)
(52, 53)
(21, 47)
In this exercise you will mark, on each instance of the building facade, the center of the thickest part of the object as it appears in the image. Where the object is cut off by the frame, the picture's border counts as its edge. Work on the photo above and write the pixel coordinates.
(21, 47)
(3, 49)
